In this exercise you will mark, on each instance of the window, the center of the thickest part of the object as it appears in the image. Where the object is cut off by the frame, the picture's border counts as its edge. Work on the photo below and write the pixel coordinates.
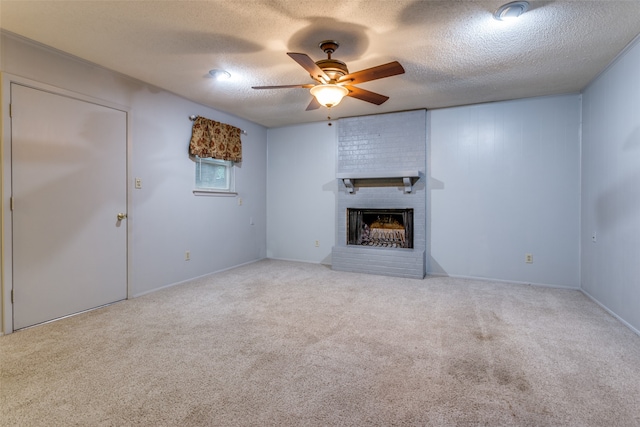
(214, 176)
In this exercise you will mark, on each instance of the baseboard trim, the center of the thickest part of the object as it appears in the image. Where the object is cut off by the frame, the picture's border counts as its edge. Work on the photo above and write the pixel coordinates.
(608, 310)
(592, 298)
(170, 285)
(300, 260)
(514, 282)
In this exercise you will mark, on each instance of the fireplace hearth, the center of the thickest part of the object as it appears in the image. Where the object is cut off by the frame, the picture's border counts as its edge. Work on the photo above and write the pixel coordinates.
(384, 228)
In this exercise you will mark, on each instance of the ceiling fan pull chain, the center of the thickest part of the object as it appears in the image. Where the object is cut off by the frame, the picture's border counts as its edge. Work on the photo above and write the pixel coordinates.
(329, 119)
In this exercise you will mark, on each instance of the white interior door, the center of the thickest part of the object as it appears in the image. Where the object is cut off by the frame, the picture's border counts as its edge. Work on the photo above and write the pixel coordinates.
(68, 186)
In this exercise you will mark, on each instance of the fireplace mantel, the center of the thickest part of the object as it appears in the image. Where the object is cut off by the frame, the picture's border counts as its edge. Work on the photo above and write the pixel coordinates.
(405, 178)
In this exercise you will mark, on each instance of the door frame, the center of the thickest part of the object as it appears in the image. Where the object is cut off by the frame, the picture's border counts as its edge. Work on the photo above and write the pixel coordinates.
(6, 220)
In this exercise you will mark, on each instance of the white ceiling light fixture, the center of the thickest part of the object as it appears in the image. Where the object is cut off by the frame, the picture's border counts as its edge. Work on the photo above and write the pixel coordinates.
(511, 10)
(329, 95)
(220, 74)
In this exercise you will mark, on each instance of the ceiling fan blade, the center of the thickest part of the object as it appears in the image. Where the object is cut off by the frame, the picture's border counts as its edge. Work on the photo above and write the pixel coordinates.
(313, 105)
(366, 95)
(308, 64)
(381, 71)
(307, 86)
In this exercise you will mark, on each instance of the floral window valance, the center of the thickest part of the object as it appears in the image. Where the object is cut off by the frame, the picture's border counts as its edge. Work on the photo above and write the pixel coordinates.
(214, 139)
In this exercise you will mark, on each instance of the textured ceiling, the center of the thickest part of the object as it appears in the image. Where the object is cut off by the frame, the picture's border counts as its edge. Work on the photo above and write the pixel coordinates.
(454, 52)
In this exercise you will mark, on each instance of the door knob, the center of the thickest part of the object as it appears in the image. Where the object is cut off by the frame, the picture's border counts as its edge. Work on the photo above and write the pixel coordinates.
(122, 216)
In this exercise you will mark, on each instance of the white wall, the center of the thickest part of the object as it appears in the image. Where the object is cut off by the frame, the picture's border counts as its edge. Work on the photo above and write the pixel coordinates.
(169, 219)
(611, 188)
(505, 181)
(165, 217)
(302, 190)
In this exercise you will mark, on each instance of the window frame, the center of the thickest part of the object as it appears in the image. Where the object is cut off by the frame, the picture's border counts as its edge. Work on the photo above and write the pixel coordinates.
(212, 191)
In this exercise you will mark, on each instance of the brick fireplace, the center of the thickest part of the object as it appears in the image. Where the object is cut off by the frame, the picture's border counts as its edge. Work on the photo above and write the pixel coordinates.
(381, 202)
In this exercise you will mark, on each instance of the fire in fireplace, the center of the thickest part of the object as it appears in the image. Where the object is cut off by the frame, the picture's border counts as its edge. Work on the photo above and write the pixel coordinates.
(389, 228)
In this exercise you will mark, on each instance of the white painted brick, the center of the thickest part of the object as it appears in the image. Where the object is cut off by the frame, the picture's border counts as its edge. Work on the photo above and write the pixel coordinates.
(380, 143)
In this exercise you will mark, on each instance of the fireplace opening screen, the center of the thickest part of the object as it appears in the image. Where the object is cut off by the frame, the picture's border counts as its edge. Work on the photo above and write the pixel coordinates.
(390, 228)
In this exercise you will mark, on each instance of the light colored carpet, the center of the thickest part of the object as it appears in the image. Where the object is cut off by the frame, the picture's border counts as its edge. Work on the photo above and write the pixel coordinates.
(294, 344)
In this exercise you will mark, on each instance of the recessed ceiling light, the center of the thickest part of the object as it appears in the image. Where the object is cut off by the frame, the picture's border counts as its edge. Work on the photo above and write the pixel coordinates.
(511, 10)
(219, 74)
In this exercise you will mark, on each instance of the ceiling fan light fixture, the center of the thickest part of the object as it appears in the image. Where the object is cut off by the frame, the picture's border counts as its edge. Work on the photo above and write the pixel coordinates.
(511, 10)
(329, 95)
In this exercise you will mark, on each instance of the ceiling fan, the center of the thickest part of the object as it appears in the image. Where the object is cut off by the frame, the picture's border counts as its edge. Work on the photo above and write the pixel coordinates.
(333, 80)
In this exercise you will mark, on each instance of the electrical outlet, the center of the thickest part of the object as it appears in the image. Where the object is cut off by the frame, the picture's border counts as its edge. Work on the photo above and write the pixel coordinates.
(594, 238)
(528, 258)
(187, 256)
(239, 201)
(138, 183)
(317, 243)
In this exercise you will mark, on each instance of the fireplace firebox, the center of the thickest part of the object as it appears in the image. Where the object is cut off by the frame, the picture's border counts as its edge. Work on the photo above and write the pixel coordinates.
(386, 228)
